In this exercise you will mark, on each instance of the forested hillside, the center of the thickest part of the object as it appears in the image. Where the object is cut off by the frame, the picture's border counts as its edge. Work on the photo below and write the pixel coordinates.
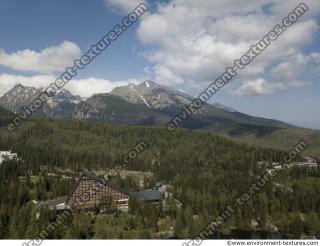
(284, 139)
(205, 173)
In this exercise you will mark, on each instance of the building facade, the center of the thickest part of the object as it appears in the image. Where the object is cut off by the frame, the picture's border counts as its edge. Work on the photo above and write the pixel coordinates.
(91, 190)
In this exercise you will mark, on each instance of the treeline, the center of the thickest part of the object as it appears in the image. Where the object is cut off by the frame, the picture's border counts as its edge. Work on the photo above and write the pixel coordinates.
(79, 145)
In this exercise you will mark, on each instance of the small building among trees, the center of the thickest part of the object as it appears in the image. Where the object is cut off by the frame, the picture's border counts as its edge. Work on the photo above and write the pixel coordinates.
(8, 156)
(307, 162)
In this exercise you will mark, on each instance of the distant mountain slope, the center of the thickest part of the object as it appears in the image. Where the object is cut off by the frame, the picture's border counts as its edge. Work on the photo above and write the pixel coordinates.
(145, 104)
(170, 101)
(152, 95)
(61, 105)
(18, 97)
(113, 109)
(155, 105)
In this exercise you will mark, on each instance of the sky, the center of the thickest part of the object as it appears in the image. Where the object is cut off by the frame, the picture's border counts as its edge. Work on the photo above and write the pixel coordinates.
(185, 44)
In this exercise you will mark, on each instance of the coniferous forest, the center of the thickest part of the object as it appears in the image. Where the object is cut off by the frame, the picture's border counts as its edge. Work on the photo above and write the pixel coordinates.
(204, 173)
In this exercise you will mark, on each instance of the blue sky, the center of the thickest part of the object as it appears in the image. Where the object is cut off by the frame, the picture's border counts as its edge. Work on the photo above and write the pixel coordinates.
(184, 44)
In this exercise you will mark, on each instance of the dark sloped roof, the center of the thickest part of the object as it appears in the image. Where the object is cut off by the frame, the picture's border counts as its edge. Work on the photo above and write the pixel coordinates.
(147, 195)
(52, 203)
(105, 182)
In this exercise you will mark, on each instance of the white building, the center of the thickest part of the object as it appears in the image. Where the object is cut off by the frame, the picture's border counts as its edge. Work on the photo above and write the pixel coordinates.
(308, 162)
(8, 156)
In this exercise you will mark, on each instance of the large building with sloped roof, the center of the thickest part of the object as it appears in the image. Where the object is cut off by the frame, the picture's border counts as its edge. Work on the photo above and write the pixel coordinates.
(91, 190)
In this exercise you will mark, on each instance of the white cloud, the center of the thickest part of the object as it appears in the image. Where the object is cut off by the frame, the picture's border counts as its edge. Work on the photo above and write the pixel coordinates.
(89, 86)
(49, 60)
(291, 67)
(295, 65)
(124, 6)
(195, 40)
(286, 72)
(259, 86)
(254, 88)
(165, 75)
(83, 87)
(281, 8)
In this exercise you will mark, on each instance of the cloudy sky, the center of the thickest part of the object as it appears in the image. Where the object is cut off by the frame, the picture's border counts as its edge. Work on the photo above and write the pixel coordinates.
(184, 44)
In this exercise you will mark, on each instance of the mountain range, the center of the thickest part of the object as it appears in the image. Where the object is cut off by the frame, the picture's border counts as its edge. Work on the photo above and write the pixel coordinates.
(61, 105)
(147, 103)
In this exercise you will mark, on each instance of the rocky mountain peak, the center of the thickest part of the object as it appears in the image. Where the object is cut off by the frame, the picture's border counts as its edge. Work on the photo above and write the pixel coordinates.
(63, 102)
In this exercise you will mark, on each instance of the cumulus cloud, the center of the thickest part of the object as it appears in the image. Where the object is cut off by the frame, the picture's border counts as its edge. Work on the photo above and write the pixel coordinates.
(89, 86)
(51, 59)
(193, 41)
(255, 87)
(295, 65)
(260, 86)
(124, 6)
(290, 68)
(82, 87)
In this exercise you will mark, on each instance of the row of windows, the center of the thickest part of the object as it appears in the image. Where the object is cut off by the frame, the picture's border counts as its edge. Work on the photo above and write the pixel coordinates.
(85, 188)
